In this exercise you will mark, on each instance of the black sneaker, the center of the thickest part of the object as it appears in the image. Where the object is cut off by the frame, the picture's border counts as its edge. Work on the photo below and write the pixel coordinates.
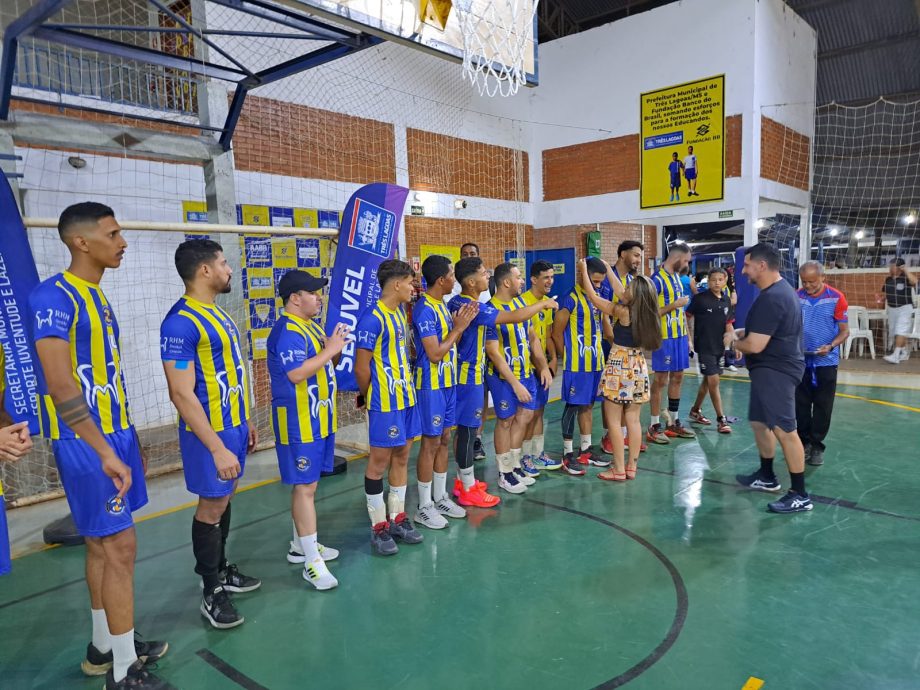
(816, 458)
(382, 541)
(401, 528)
(96, 663)
(809, 449)
(571, 466)
(218, 608)
(479, 453)
(234, 581)
(758, 482)
(792, 502)
(138, 678)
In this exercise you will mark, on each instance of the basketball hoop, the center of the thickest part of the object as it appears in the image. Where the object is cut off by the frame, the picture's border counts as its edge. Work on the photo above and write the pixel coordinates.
(496, 34)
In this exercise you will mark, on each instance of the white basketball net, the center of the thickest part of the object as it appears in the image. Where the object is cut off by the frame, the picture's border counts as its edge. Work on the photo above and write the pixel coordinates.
(496, 35)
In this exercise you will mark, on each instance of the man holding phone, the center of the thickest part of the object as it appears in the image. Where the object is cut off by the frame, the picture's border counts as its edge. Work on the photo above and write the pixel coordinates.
(898, 298)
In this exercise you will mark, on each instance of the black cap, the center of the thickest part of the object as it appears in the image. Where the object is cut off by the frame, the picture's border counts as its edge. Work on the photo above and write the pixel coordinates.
(295, 281)
(897, 262)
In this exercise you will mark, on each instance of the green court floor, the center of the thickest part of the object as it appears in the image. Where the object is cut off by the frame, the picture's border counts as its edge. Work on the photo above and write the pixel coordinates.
(676, 580)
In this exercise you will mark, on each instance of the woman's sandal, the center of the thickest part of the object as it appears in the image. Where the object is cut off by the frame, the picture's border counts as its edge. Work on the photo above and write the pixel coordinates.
(631, 473)
(614, 477)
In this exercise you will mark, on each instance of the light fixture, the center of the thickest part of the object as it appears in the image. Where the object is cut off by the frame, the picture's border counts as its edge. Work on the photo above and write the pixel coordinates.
(860, 234)
(459, 204)
(833, 230)
(910, 218)
(76, 162)
(760, 223)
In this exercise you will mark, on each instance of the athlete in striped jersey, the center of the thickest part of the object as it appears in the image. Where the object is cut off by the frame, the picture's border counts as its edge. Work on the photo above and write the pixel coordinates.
(209, 386)
(513, 381)
(436, 333)
(473, 278)
(301, 367)
(385, 380)
(577, 332)
(670, 360)
(84, 411)
(542, 275)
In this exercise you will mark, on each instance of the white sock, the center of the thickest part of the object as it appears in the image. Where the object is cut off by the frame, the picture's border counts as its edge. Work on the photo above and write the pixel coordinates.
(527, 447)
(376, 508)
(467, 478)
(396, 501)
(516, 454)
(123, 654)
(624, 430)
(102, 638)
(585, 441)
(424, 493)
(566, 445)
(296, 536)
(537, 445)
(439, 486)
(310, 550)
(656, 419)
(504, 462)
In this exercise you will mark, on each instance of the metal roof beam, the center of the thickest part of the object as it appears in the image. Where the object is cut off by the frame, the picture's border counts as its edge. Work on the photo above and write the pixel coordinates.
(884, 42)
(286, 17)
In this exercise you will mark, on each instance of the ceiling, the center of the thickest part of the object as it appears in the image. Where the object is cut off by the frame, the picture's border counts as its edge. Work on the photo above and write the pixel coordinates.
(866, 48)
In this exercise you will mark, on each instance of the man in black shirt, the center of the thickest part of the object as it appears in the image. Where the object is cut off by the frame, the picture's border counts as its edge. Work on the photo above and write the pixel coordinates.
(899, 300)
(773, 346)
(712, 317)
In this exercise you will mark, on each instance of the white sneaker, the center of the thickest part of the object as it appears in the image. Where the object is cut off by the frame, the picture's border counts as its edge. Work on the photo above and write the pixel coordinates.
(318, 575)
(893, 358)
(516, 488)
(732, 367)
(523, 477)
(295, 555)
(327, 552)
(905, 355)
(429, 516)
(447, 507)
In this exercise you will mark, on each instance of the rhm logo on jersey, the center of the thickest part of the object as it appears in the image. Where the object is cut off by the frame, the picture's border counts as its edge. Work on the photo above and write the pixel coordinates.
(227, 390)
(92, 390)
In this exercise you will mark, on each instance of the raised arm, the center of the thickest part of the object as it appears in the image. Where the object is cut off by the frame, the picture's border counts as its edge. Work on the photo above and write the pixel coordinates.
(602, 304)
(521, 315)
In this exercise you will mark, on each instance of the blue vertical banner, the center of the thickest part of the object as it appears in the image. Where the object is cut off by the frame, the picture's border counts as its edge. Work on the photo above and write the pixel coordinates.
(18, 276)
(368, 236)
(747, 291)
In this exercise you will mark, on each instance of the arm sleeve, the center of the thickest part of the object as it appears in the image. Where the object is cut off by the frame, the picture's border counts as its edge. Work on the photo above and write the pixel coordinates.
(486, 316)
(656, 281)
(367, 332)
(691, 308)
(762, 318)
(840, 313)
(53, 312)
(491, 333)
(293, 350)
(567, 303)
(178, 339)
(423, 320)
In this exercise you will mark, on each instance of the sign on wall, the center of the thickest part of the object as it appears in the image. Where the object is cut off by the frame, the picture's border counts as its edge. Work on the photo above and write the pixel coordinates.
(682, 141)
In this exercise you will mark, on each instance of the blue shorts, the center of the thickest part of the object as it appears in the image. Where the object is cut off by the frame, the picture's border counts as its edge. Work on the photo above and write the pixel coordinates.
(201, 476)
(301, 463)
(580, 387)
(470, 399)
(505, 401)
(91, 495)
(690, 173)
(437, 410)
(393, 429)
(673, 355)
(542, 397)
(675, 179)
(5, 561)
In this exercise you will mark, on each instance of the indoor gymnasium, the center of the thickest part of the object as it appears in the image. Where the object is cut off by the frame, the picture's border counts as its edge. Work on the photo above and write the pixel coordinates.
(357, 269)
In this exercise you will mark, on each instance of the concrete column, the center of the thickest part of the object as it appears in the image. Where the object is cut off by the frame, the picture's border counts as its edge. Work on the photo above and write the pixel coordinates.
(804, 237)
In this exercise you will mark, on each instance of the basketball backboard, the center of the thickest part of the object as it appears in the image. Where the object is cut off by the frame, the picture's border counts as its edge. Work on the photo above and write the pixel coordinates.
(417, 23)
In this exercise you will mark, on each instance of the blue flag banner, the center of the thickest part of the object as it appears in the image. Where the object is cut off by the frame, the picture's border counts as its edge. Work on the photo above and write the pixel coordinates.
(18, 276)
(367, 237)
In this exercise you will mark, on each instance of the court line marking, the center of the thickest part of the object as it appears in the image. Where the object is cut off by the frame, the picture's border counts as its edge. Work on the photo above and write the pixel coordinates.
(858, 385)
(753, 684)
(229, 671)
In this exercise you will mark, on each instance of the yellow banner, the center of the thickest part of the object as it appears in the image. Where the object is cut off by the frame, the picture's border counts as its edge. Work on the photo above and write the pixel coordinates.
(306, 218)
(194, 212)
(284, 253)
(254, 215)
(683, 144)
(451, 251)
(261, 282)
(259, 342)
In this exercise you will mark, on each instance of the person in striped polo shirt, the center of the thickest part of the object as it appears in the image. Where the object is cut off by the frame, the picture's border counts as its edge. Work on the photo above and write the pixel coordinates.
(825, 327)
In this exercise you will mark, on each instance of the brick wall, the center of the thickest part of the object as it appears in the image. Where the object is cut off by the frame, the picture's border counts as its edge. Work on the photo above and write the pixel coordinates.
(449, 165)
(611, 236)
(733, 146)
(492, 237)
(783, 154)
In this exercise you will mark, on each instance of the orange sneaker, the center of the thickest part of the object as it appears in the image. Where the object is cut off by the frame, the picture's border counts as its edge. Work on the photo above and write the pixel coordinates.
(606, 445)
(642, 447)
(458, 486)
(477, 497)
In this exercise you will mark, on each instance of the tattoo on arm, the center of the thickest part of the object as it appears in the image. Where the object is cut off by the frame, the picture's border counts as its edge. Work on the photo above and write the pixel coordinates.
(73, 411)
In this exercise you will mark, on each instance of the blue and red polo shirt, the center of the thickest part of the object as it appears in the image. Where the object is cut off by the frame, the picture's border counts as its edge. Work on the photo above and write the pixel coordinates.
(821, 315)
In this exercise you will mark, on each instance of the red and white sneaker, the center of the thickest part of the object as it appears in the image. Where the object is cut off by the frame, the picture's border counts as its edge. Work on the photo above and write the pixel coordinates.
(696, 416)
(642, 447)
(606, 445)
(724, 427)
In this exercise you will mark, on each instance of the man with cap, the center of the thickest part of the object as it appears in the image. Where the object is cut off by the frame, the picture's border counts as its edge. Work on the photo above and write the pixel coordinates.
(898, 287)
(301, 366)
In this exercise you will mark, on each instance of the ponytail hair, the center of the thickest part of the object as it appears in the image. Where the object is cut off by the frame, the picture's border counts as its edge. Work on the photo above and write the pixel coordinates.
(643, 314)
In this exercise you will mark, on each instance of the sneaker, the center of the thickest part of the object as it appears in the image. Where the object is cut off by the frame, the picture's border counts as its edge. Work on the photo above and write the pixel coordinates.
(523, 477)
(458, 486)
(696, 416)
(429, 516)
(792, 502)
(678, 430)
(138, 678)
(589, 457)
(544, 462)
(816, 459)
(218, 608)
(381, 540)
(234, 581)
(893, 358)
(656, 435)
(401, 528)
(758, 482)
(723, 426)
(606, 445)
(571, 466)
(479, 453)
(449, 509)
(295, 555)
(510, 483)
(732, 368)
(477, 497)
(96, 663)
(642, 446)
(317, 574)
(530, 469)
(809, 449)
(905, 355)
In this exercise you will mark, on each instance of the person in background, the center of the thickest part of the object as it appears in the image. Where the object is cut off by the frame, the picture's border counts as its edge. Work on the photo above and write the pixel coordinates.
(674, 168)
(900, 306)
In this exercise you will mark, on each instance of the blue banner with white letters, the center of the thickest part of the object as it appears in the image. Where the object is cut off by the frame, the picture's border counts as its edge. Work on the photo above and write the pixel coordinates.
(18, 276)
(368, 236)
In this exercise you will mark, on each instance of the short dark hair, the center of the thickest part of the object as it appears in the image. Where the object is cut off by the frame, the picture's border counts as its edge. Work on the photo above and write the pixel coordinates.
(678, 248)
(84, 212)
(391, 269)
(191, 254)
(717, 269)
(434, 268)
(502, 271)
(626, 245)
(595, 265)
(467, 267)
(540, 266)
(764, 252)
(470, 244)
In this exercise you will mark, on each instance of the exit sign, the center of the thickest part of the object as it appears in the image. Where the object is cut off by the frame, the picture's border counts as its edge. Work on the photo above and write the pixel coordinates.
(726, 214)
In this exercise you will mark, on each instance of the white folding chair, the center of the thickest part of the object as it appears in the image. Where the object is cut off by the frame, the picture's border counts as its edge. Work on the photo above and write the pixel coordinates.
(914, 336)
(858, 320)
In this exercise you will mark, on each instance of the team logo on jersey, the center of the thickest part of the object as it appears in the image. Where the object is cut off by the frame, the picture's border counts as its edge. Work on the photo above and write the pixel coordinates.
(586, 350)
(92, 391)
(445, 367)
(571, 390)
(302, 463)
(321, 405)
(478, 413)
(115, 505)
(394, 384)
(107, 315)
(393, 432)
(47, 321)
(667, 359)
(515, 359)
(503, 405)
(287, 357)
(227, 390)
(436, 420)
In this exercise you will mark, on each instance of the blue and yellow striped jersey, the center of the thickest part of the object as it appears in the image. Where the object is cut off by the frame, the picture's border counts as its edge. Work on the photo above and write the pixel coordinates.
(303, 412)
(75, 310)
(542, 323)
(385, 333)
(669, 288)
(583, 334)
(471, 348)
(512, 339)
(206, 335)
(430, 317)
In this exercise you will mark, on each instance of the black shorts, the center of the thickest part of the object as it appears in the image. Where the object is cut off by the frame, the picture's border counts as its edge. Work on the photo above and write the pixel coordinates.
(773, 399)
(710, 365)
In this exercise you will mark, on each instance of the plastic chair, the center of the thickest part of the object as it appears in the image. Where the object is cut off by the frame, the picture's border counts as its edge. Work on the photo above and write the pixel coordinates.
(858, 319)
(914, 336)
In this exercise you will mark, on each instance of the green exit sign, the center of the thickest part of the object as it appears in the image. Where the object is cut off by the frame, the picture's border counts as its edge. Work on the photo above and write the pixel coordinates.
(726, 214)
